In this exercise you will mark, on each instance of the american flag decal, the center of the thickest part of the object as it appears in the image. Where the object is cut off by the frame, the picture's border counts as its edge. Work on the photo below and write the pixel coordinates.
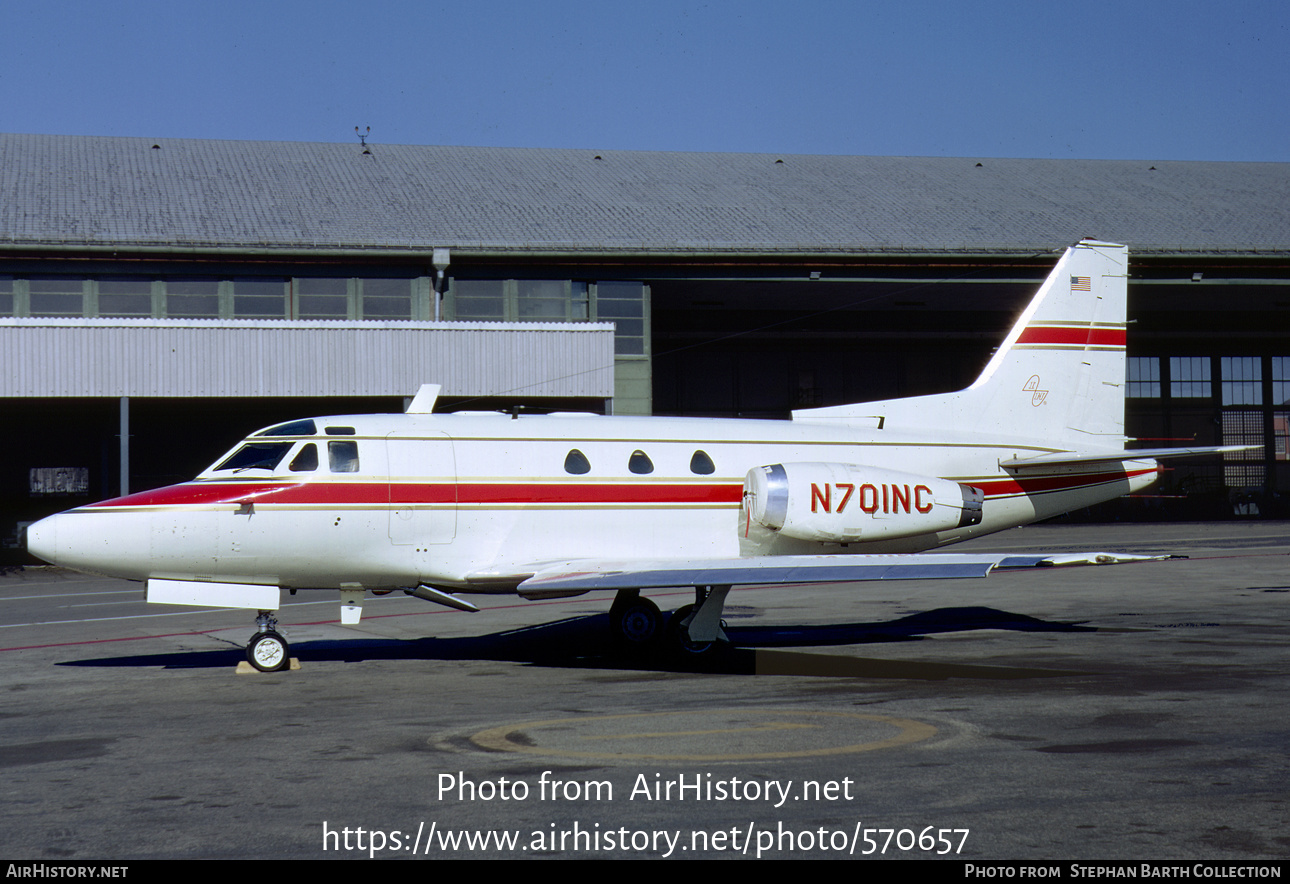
(1081, 284)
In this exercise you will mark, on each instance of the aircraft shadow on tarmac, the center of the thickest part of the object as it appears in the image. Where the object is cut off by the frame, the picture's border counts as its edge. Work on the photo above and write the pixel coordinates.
(583, 643)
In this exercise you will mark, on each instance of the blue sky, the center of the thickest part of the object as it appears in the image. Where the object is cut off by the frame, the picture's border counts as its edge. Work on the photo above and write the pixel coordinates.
(1096, 80)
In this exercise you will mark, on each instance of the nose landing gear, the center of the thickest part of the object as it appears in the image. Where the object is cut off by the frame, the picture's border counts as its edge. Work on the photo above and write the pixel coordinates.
(268, 651)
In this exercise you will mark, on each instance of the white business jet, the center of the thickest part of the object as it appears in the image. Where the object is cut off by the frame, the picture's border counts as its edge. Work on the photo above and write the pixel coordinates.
(443, 505)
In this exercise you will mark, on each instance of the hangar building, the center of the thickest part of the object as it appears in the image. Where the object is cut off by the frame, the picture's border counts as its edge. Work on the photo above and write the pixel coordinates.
(161, 298)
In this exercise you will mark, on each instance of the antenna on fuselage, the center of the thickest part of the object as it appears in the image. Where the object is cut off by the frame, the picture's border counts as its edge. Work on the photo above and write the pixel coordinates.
(423, 402)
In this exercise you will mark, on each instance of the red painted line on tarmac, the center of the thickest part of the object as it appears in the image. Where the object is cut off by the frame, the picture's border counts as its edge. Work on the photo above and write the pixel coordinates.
(366, 617)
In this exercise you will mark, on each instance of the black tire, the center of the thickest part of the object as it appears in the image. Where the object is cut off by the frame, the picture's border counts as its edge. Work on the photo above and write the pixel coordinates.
(268, 652)
(678, 639)
(636, 624)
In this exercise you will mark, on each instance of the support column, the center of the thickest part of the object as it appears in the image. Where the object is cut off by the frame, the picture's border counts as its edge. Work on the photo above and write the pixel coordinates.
(125, 445)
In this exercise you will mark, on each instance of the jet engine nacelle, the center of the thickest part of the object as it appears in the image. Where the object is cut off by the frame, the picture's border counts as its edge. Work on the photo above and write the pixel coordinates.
(847, 503)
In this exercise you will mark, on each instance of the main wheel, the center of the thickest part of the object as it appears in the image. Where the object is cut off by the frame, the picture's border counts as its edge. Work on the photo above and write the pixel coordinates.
(268, 652)
(636, 623)
(678, 637)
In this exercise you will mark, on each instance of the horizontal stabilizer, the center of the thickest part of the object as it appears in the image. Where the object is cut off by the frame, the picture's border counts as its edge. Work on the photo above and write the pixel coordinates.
(1071, 458)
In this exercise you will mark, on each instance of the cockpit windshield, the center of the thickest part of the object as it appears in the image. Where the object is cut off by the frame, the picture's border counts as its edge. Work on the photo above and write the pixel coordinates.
(294, 428)
(256, 456)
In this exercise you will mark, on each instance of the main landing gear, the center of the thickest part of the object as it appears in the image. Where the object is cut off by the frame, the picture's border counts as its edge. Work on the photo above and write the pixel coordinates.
(691, 631)
(268, 651)
(636, 622)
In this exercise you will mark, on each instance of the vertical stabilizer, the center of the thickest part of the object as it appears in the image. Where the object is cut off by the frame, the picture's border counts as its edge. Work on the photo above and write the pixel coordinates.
(1058, 377)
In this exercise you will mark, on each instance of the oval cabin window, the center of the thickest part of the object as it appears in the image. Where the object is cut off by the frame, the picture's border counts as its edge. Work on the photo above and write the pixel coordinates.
(701, 464)
(640, 463)
(576, 463)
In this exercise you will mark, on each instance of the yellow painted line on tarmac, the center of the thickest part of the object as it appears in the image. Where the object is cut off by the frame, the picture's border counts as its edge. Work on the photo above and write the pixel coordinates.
(772, 726)
(551, 737)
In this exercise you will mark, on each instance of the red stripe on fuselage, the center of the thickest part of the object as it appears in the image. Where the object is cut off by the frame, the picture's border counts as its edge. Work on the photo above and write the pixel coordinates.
(1076, 334)
(414, 493)
(191, 493)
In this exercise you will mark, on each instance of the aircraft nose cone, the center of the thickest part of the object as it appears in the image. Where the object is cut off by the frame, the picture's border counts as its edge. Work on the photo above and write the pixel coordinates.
(42, 539)
(111, 544)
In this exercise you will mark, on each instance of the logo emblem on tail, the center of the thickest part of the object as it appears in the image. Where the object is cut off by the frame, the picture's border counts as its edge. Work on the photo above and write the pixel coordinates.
(1037, 396)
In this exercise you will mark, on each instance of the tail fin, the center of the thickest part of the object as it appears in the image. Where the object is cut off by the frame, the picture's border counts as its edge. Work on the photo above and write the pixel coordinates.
(1058, 377)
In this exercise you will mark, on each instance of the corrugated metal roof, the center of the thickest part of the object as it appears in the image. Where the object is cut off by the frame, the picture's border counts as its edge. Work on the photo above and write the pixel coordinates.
(79, 191)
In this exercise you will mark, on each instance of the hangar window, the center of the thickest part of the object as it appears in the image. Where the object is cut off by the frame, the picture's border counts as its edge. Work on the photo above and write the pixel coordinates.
(1280, 380)
(701, 464)
(259, 298)
(1242, 380)
(386, 298)
(294, 428)
(481, 299)
(125, 297)
(342, 457)
(541, 299)
(307, 460)
(623, 303)
(640, 463)
(1143, 376)
(321, 298)
(192, 298)
(6, 296)
(256, 456)
(579, 301)
(576, 463)
(528, 300)
(57, 296)
(1189, 377)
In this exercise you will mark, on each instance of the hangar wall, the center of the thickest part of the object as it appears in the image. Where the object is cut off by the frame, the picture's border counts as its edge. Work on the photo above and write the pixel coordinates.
(243, 358)
(737, 284)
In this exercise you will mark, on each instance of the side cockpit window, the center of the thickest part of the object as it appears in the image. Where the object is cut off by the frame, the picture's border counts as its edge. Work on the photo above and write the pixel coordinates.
(342, 457)
(306, 461)
(256, 456)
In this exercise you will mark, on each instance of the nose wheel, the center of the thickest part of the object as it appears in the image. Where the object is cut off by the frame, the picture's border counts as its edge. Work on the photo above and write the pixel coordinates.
(268, 651)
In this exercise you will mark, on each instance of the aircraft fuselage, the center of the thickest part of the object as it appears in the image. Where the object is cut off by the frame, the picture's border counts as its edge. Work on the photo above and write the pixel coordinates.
(469, 502)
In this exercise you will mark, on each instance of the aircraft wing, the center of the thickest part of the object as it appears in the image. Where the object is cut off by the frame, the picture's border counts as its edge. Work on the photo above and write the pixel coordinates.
(553, 580)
